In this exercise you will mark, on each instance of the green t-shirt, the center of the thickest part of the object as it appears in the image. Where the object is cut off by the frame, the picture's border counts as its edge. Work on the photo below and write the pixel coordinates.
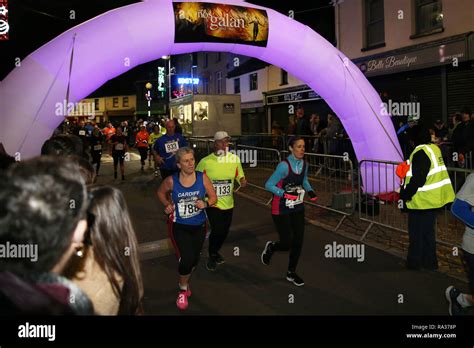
(153, 138)
(222, 171)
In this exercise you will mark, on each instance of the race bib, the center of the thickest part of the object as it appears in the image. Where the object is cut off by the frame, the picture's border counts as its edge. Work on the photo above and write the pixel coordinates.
(222, 187)
(171, 146)
(82, 132)
(97, 147)
(300, 193)
(187, 208)
(119, 147)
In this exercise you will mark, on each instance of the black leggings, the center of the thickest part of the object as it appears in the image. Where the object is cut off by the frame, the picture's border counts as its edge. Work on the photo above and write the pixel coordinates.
(290, 228)
(143, 154)
(188, 241)
(96, 156)
(468, 262)
(220, 221)
(118, 157)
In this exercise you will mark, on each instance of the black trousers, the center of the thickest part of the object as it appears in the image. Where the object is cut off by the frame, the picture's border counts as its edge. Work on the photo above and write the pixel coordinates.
(96, 156)
(220, 221)
(290, 228)
(422, 239)
(143, 154)
(188, 241)
(468, 262)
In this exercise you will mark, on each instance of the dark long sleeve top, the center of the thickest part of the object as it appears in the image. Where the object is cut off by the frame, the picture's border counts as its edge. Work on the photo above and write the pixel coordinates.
(420, 168)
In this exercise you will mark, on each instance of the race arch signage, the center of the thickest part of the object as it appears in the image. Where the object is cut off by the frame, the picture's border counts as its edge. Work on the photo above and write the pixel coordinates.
(220, 23)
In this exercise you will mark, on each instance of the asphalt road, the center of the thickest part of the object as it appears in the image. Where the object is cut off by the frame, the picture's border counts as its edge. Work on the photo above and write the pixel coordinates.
(379, 285)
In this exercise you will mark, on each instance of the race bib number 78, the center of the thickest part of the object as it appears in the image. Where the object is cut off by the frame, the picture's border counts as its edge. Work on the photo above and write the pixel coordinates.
(188, 209)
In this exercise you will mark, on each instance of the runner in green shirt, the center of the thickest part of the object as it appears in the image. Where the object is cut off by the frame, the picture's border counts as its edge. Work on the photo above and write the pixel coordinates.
(153, 136)
(222, 167)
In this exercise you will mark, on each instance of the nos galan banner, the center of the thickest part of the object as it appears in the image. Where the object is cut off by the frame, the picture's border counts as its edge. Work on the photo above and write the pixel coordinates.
(219, 23)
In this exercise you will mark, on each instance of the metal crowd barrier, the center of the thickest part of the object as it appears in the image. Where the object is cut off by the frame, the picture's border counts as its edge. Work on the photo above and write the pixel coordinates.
(333, 179)
(201, 146)
(379, 203)
(258, 163)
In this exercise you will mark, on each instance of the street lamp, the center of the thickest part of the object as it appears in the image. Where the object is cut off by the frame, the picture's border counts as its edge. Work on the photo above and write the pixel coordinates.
(148, 86)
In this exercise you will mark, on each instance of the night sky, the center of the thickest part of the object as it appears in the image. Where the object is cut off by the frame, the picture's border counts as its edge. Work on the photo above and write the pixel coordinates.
(36, 22)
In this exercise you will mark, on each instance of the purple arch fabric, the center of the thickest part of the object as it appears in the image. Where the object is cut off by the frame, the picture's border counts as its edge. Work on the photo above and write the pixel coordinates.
(142, 32)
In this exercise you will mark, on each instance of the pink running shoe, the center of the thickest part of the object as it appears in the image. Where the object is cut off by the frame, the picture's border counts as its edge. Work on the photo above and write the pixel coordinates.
(182, 300)
(188, 292)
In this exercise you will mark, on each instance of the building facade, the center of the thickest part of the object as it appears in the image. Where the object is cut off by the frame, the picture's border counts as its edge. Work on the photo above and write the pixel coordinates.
(105, 109)
(415, 51)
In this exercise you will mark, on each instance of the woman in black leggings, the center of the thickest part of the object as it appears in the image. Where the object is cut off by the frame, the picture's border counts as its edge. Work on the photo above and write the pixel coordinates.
(288, 184)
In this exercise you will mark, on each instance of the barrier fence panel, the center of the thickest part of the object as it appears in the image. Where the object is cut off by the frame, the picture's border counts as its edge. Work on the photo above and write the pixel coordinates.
(202, 147)
(258, 163)
(378, 201)
(383, 207)
(450, 229)
(333, 179)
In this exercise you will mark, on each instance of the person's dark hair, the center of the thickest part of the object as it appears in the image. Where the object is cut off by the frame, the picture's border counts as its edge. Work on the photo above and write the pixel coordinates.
(63, 145)
(6, 161)
(466, 110)
(41, 202)
(86, 169)
(420, 135)
(112, 235)
(293, 140)
(458, 117)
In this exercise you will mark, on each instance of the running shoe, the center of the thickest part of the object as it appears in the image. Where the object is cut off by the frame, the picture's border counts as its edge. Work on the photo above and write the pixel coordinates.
(182, 300)
(294, 278)
(211, 264)
(455, 307)
(218, 258)
(267, 253)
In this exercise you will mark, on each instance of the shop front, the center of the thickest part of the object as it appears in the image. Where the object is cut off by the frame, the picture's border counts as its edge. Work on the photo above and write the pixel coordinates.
(202, 115)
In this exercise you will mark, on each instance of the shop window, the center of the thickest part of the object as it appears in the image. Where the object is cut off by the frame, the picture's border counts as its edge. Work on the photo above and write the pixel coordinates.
(115, 102)
(428, 16)
(96, 104)
(253, 81)
(283, 77)
(219, 82)
(374, 23)
(237, 86)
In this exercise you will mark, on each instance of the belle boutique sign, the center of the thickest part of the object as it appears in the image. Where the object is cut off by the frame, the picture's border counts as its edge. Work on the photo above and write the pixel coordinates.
(433, 56)
(4, 26)
(208, 22)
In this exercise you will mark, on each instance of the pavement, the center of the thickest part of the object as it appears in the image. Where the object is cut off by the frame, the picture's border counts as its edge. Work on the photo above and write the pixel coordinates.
(379, 285)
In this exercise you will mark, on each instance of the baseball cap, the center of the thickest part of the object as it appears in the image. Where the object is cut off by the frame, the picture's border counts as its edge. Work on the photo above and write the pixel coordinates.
(221, 135)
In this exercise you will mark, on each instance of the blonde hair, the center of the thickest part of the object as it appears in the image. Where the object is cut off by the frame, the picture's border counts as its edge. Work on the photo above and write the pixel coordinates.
(183, 151)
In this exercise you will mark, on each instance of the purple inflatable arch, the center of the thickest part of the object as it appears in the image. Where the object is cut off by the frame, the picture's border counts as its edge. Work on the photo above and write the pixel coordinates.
(145, 31)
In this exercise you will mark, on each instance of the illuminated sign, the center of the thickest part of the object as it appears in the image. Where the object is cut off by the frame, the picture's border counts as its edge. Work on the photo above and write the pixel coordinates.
(4, 26)
(161, 79)
(188, 81)
(223, 23)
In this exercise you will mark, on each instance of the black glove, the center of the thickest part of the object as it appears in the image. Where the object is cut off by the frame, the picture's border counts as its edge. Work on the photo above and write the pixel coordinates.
(312, 196)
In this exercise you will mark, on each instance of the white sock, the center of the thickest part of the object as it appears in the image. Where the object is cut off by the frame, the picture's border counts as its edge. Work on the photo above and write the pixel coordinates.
(183, 287)
(463, 301)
